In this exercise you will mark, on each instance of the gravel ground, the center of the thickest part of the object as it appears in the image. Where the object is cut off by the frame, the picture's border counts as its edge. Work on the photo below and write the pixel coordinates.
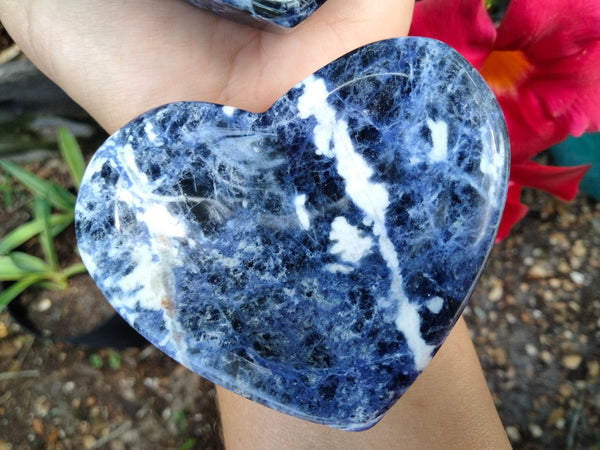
(535, 319)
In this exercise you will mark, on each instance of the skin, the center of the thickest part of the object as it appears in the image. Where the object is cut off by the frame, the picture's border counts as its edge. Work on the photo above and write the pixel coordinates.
(107, 53)
(119, 58)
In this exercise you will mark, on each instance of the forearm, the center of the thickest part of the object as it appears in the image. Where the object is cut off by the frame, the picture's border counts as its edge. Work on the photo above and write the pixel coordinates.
(449, 406)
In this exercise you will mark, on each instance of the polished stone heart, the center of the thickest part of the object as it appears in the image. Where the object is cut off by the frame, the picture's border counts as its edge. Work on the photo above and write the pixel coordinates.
(313, 257)
(274, 15)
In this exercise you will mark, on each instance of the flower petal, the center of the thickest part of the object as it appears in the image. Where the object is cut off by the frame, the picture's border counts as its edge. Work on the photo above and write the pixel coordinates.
(529, 128)
(560, 96)
(514, 211)
(463, 24)
(549, 29)
(549, 107)
(563, 182)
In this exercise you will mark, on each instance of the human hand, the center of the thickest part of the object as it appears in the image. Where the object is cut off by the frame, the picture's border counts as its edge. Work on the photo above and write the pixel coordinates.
(119, 58)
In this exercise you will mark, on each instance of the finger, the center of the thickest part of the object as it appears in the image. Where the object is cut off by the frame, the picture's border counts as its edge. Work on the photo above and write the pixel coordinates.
(336, 28)
(118, 59)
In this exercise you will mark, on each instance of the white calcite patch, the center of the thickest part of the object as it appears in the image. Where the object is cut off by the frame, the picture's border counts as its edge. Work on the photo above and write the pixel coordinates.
(301, 211)
(439, 138)
(332, 140)
(349, 242)
(229, 110)
(492, 162)
(338, 268)
(149, 130)
(151, 283)
(160, 222)
(435, 304)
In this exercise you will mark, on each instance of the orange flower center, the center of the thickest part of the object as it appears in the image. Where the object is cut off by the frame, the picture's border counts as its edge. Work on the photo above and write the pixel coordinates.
(504, 70)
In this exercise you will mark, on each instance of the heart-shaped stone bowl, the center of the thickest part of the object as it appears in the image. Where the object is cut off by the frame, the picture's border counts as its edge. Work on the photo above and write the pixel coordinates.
(315, 256)
(273, 15)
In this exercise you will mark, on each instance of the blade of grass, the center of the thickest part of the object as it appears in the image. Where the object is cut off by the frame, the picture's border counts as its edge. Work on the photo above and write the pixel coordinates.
(9, 271)
(58, 222)
(74, 269)
(20, 235)
(29, 263)
(53, 192)
(15, 289)
(18, 265)
(71, 152)
(59, 285)
(6, 189)
(42, 214)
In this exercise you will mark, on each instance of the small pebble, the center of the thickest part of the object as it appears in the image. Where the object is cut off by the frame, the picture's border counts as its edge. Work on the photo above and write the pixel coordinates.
(44, 305)
(556, 415)
(535, 430)
(546, 357)
(577, 277)
(548, 296)
(513, 433)
(563, 267)
(554, 283)
(531, 350)
(593, 369)
(89, 441)
(565, 390)
(528, 261)
(497, 290)
(572, 361)
(579, 249)
(559, 240)
(539, 270)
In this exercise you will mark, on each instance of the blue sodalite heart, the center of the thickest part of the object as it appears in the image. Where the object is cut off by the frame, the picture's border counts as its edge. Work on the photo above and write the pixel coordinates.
(274, 15)
(313, 257)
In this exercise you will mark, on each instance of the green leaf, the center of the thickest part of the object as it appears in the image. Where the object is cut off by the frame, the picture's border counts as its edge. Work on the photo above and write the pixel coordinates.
(15, 289)
(9, 271)
(21, 234)
(114, 360)
(42, 214)
(71, 152)
(29, 263)
(57, 195)
(59, 285)
(7, 190)
(189, 444)
(96, 361)
(75, 269)
(58, 222)
(18, 265)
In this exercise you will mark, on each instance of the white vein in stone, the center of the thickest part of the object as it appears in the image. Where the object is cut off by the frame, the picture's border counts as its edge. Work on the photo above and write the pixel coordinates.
(151, 283)
(491, 163)
(350, 243)
(439, 138)
(435, 304)
(229, 110)
(301, 211)
(332, 140)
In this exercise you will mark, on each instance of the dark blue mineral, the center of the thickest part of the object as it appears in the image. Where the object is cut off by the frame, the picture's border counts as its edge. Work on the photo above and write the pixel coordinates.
(314, 257)
(273, 15)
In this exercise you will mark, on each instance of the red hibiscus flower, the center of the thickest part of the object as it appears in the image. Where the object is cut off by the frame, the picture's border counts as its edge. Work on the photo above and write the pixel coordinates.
(543, 64)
